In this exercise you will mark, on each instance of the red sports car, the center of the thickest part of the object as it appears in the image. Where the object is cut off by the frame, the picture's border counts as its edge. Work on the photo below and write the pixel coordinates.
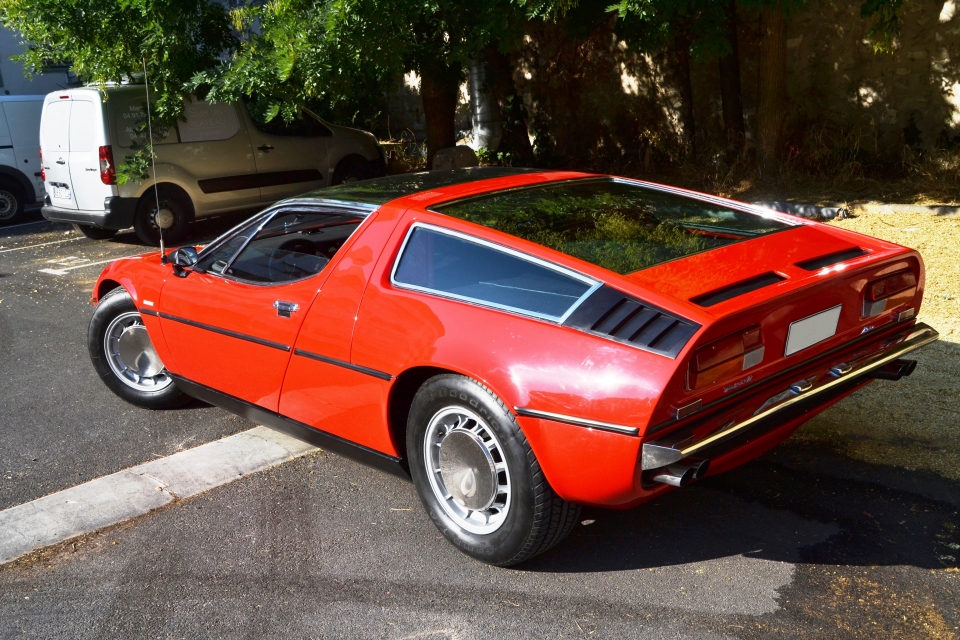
(518, 343)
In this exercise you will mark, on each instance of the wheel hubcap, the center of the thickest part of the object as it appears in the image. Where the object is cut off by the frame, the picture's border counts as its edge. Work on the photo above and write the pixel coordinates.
(8, 205)
(131, 355)
(467, 470)
(165, 218)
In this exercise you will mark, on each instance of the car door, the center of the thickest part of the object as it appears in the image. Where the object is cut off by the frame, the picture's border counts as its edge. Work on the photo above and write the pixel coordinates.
(291, 156)
(55, 145)
(87, 139)
(230, 324)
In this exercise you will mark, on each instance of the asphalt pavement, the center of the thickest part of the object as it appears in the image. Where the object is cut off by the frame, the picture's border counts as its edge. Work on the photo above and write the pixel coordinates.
(804, 542)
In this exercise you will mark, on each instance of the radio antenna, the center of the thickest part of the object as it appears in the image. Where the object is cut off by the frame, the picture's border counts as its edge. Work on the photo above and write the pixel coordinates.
(153, 160)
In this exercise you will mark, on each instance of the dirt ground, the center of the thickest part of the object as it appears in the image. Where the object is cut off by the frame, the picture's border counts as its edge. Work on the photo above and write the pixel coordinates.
(913, 423)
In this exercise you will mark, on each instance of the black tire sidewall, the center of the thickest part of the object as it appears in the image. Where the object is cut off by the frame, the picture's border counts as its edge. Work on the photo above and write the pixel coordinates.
(19, 198)
(350, 167)
(147, 230)
(112, 305)
(504, 544)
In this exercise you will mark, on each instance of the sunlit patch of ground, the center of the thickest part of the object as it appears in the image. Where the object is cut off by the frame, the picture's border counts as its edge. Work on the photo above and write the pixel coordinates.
(913, 423)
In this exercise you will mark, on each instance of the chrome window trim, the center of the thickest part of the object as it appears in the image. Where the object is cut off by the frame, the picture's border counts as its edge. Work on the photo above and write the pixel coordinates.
(594, 284)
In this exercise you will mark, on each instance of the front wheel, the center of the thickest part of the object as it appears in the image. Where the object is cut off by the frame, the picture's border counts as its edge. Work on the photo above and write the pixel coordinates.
(124, 357)
(478, 477)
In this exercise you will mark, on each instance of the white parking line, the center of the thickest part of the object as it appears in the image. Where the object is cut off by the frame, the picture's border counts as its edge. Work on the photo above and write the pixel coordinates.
(139, 490)
(42, 244)
(63, 272)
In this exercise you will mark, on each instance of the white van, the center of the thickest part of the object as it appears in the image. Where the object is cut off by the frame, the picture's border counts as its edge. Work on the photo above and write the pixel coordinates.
(216, 159)
(20, 183)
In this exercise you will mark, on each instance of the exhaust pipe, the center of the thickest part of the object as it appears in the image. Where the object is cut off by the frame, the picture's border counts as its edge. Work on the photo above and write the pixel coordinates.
(894, 370)
(682, 473)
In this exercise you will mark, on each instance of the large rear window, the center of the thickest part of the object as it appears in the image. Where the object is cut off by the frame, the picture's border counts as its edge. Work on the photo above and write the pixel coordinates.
(616, 224)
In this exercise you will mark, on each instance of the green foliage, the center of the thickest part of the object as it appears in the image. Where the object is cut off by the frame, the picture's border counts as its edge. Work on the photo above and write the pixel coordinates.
(112, 41)
(886, 27)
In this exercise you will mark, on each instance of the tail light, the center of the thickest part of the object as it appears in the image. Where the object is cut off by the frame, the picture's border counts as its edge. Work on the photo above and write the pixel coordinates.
(725, 358)
(43, 172)
(107, 173)
(889, 291)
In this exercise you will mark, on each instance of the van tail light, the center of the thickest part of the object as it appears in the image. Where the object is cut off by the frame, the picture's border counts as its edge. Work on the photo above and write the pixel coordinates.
(107, 173)
(725, 358)
(43, 172)
(895, 289)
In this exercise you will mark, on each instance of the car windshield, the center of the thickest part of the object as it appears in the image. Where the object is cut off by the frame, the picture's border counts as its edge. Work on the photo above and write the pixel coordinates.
(619, 225)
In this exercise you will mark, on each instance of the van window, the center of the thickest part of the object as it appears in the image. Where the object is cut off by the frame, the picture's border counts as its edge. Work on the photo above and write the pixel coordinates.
(203, 122)
(82, 125)
(129, 109)
(26, 118)
(303, 127)
(56, 126)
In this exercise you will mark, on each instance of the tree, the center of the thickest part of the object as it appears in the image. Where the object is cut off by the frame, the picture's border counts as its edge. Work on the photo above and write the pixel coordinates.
(112, 41)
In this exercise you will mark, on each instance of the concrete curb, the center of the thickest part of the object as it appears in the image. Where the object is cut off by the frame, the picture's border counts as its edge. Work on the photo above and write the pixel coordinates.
(118, 497)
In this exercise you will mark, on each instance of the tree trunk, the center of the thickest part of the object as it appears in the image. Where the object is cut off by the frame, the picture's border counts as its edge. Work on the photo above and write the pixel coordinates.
(681, 64)
(772, 99)
(439, 90)
(730, 93)
(503, 90)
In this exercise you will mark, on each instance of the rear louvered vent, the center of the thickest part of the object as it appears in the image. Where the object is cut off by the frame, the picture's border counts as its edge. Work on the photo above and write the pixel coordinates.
(615, 315)
(815, 264)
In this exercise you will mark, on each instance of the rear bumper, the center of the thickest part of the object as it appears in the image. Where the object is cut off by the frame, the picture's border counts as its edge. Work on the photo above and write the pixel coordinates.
(796, 401)
(612, 466)
(117, 213)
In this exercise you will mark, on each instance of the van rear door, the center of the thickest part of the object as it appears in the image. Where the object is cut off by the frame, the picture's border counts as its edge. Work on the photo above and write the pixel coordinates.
(87, 137)
(55, 146)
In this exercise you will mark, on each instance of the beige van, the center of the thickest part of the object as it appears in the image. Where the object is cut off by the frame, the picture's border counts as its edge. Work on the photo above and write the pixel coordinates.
(216, 159)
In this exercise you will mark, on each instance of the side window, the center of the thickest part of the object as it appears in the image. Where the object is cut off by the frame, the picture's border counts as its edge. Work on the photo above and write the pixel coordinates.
(303, 127)
(203, 121)
(457, 266)
(291, 245)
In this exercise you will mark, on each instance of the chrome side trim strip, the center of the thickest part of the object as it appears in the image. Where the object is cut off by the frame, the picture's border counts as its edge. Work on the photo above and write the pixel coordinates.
(922, 335)
(580, 422)
(225, 332)
(346, 365)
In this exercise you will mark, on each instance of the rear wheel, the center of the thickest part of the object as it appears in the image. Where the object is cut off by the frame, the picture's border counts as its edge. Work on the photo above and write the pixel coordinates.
(124, 357)
(478, 477)
(350, 169)
(12, 203)
(173, 216)
(95, 233)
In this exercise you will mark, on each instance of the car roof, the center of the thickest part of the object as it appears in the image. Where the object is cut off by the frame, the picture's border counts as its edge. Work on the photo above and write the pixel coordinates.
(378, 191)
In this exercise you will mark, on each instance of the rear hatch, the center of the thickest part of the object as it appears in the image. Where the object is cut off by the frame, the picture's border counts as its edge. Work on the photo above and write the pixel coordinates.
(779, 301)
(74, 147)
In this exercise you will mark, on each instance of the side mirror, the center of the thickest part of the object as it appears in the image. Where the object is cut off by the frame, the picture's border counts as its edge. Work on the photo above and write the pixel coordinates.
(185, 257)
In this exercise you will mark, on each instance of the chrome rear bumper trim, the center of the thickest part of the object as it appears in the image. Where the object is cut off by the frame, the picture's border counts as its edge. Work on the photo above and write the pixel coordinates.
(656, 451)
(580, 422)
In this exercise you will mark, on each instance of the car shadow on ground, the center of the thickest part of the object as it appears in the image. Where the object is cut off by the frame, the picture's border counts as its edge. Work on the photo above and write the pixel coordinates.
(815, 506)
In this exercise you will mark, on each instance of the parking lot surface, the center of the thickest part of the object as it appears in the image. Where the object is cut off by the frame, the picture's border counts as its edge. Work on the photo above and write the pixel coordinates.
(848, 530)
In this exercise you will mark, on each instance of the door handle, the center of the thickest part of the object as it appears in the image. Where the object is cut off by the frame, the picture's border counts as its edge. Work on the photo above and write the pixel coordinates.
(61, 161)
(265, 147)
(284, 309)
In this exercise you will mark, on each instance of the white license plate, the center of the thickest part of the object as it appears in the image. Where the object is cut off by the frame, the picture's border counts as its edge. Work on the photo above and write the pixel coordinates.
(812, 329)
(61, 192)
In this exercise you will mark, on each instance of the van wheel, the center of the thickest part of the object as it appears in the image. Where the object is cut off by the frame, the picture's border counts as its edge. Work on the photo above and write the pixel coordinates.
(11, 203)
(174, 214)
(95, 233)
(350, 169)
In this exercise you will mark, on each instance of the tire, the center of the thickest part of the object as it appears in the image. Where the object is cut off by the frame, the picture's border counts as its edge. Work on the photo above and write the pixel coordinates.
(172, 202)
(12, 203)
(525, 518)
(115, 316)
(349, 169)
(95, 233)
